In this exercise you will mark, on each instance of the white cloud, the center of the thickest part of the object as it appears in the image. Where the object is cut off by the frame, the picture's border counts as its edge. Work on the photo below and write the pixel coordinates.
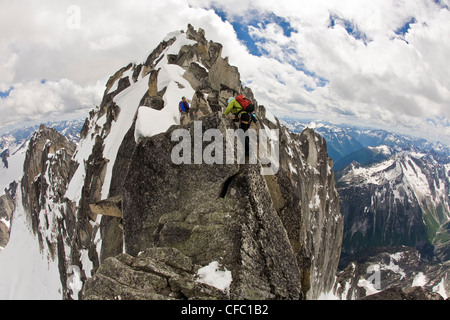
(388, 79)
(35, 100)
(383, 79)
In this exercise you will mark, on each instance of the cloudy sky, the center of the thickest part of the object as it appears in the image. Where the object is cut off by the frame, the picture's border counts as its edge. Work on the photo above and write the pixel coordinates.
(381, 63)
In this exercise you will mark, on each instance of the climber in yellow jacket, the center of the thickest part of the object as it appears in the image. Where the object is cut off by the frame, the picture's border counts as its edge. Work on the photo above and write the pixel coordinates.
(233, 107)
(245, 118)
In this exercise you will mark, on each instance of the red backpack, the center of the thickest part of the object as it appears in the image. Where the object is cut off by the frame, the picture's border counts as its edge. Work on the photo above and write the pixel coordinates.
(245, 103)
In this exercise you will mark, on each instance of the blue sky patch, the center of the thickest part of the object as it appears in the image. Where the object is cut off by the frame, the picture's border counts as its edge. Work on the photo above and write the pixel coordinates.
(441, 4)
(351, 28)
(320, 81)
(4, 94)
(255, 19)
(403, 30)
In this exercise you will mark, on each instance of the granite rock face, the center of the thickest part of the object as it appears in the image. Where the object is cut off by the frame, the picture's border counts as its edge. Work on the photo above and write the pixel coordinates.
(254, 225)
(416, 293)
(48, 168)
(6, 210)
(155, 274)
(4, 234)
(210, 213)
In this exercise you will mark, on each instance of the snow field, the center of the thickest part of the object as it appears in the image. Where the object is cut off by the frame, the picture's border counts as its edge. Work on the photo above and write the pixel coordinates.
(212, 276)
